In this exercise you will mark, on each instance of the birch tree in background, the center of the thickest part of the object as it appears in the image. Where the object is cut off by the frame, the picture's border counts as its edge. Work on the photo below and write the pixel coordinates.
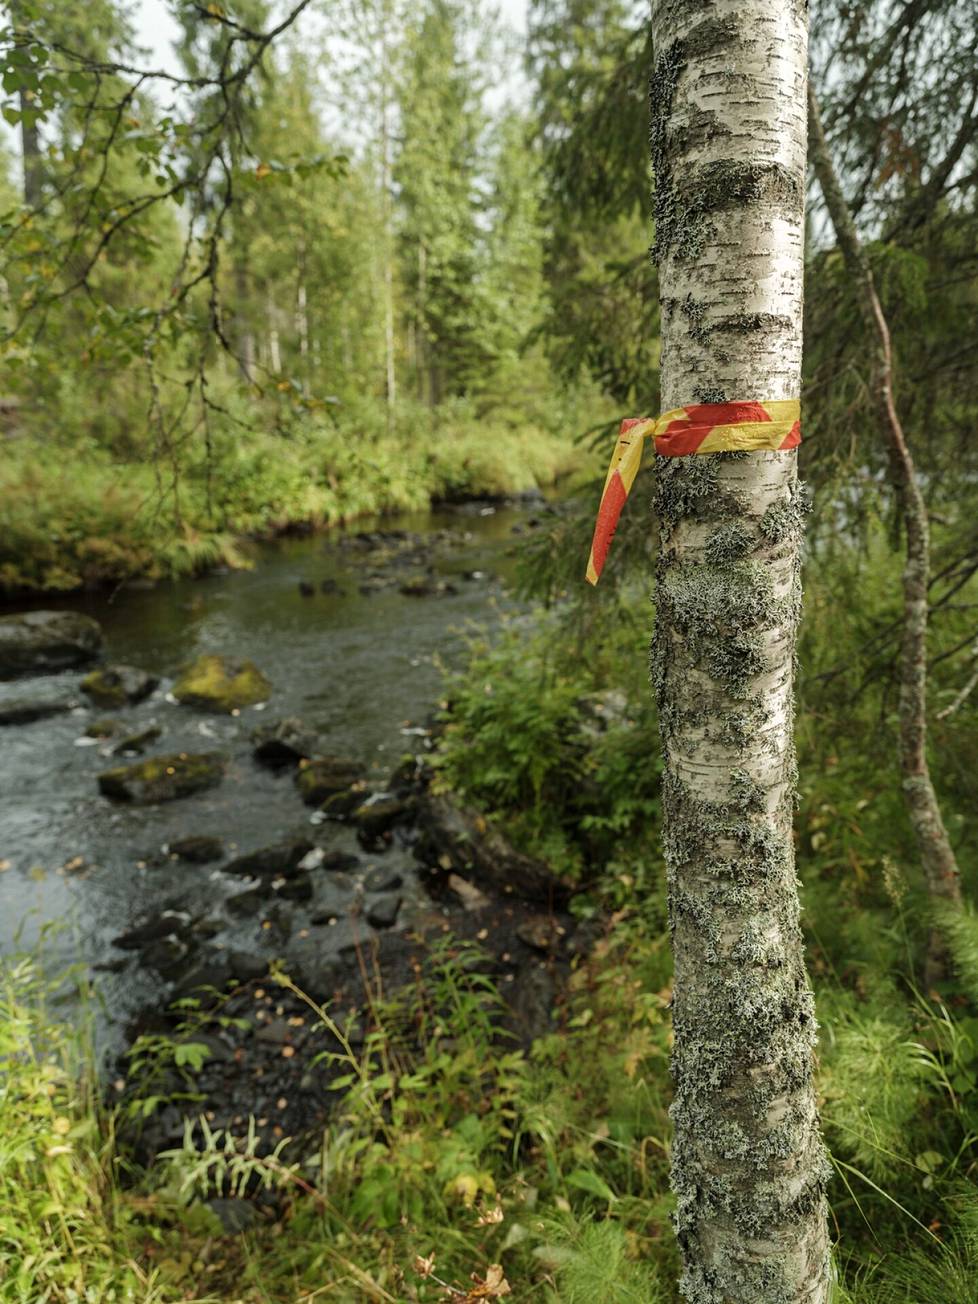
(728, 100)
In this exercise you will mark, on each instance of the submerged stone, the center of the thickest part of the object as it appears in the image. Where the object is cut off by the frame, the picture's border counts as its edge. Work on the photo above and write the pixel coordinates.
(267, 862)
(326, 776)
(163, 778)
(374, 817)
(197, 849)
(39, 641)
(138, 742)
(287, 742)
(118, 685)
(383, 912)
(27, 710)
(218, 683)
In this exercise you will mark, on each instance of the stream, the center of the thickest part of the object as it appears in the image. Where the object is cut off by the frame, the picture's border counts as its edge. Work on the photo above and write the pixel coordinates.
(357, 659)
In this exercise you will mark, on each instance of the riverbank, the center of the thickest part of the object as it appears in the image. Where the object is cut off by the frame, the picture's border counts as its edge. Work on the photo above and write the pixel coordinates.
(74, 519)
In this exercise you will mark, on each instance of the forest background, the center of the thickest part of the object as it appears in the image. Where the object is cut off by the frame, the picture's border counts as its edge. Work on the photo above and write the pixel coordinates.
(297, 281)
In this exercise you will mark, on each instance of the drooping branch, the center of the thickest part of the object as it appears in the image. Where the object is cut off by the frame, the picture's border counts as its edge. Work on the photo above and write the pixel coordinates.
(936, 854)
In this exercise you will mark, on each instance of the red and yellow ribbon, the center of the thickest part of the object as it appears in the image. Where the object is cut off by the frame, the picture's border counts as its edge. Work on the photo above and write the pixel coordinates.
(699, 428)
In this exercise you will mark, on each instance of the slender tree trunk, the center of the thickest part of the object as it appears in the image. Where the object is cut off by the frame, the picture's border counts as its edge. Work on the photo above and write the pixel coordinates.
(302, 307)
(30, 142)
(424, 379)
(728, 148)
(385, 181)
(274, 349)
(245, 336)
(936, 854)
(31, 156)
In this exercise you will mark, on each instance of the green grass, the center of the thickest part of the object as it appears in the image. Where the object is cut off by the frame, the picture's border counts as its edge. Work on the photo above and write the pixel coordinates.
(73, 516)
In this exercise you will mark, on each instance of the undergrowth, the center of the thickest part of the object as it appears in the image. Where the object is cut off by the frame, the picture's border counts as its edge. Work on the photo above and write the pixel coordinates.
(79, 516)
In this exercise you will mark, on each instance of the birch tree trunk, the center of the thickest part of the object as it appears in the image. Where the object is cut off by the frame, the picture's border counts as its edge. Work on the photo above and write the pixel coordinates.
(728, 100)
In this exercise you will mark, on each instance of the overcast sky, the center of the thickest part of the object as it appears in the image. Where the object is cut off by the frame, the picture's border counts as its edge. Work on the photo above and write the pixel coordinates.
(155, 26)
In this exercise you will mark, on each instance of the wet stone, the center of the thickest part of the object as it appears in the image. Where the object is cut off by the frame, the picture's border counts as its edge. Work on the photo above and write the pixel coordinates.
(248, 903)
(286, 742)
(541, 932)
(198, 849)
(379, 814)
(153, 927)
(245, 966)
(327, 776)
(339, 862)
(27, 710)
(382, 879)
(267, 862)
(222, 684)
(111, 686)
(383, 912)
(163, 778)
(138, 742)
(168, 956)
(37, 642)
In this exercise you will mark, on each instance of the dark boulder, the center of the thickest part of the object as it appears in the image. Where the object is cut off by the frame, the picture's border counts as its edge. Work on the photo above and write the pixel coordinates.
(380, 813)
(112, 686)
(462, 841)
(383, 912)
(198, 849)
(248, 903)
(341, 805)
(296, 889)
(286, 742)
(267, 862)
(326, 776)
(339, 861)
(167, 923)
(163, 778)
(211, 972)
(245, 966)
(29, 709)
(40, 641)
(382, 879)
(225, 684)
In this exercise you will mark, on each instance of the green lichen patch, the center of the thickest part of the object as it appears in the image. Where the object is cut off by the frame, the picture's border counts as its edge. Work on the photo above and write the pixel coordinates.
(690, 486)
(662, 90)
(218, 683)
(784, 521)
(745, 323)
(729, 542)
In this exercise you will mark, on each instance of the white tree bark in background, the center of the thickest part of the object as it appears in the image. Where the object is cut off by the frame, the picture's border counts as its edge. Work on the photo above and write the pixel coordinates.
(728, 137)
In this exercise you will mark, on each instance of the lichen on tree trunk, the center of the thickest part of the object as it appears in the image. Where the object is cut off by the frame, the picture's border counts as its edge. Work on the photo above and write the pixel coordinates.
(728, 149)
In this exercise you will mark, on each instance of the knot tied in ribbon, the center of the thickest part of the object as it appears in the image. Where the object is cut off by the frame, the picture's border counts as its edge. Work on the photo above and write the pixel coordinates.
(684, 432)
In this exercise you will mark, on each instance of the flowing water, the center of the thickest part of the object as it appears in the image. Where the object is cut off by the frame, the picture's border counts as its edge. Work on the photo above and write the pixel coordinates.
(361, 669)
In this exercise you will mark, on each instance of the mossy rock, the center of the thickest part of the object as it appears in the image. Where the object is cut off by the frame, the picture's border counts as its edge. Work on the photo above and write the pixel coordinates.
(103, 729)
(218, 683)
(38, 642)
(137, 743)
(327, 775)
(118, 685)
(163, 778)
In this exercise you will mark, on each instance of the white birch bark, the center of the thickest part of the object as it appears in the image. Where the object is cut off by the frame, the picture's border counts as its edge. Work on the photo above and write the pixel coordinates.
(728, 100)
